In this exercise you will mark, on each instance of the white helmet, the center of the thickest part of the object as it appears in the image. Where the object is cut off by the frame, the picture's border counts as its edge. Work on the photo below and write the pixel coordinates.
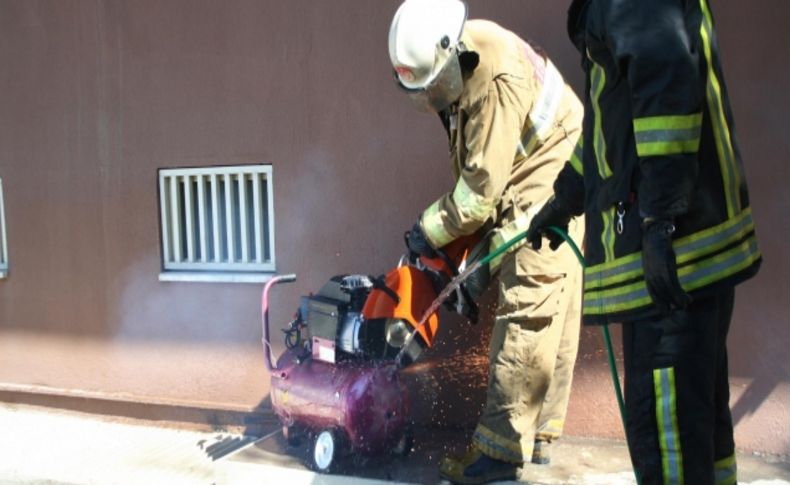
(423, 46)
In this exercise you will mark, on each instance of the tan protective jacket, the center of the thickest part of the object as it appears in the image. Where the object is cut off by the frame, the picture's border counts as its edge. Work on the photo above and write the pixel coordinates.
(515, 110)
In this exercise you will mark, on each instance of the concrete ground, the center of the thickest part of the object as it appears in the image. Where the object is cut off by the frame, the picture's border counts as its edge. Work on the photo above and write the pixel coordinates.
(44, 446)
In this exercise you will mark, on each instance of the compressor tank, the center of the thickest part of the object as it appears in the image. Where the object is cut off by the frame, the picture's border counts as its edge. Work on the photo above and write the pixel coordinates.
(365, 401)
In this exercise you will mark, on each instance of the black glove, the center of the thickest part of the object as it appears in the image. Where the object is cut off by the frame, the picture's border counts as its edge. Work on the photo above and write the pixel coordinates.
(417, 242)
(552, 214)
(660, 267)
(461, 302)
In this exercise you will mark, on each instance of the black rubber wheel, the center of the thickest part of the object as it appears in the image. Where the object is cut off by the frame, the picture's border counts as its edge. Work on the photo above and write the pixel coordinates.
(294, 436)
(325, 451)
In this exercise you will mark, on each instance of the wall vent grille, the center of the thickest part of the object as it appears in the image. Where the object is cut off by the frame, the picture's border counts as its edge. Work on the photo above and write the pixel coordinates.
(217, 219)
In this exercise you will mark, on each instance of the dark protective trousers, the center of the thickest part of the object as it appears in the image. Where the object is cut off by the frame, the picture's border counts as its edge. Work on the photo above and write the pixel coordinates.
(678, 422)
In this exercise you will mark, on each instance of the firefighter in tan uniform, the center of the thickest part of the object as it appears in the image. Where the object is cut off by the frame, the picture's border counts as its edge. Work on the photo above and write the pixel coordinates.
(512, 124)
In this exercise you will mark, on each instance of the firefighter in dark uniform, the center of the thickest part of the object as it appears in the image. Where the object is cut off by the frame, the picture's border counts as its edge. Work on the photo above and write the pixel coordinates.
(669, 230)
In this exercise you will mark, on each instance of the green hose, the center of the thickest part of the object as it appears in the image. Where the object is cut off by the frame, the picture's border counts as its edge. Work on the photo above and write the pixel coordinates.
(606, 337)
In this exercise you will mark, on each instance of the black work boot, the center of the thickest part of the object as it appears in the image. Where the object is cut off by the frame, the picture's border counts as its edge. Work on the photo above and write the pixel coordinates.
(475, 468)
(540, 452)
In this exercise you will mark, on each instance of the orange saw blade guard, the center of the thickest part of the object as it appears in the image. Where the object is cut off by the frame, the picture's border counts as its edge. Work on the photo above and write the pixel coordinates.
(457, 252)
(416, 294)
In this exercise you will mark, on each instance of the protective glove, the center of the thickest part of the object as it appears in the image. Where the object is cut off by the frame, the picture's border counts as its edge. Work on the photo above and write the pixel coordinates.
(551, 214)
(660, 267)
(417, 242)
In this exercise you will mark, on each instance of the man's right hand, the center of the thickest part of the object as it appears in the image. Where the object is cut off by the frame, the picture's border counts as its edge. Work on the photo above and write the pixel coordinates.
(552, 214)
(417, 242)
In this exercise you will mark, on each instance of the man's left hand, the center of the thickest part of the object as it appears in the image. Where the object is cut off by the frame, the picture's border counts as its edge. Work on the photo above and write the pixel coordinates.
(660, 268)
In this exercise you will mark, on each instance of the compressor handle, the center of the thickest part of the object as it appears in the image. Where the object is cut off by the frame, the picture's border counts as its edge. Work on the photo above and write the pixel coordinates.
(286, 278)
(267, 346)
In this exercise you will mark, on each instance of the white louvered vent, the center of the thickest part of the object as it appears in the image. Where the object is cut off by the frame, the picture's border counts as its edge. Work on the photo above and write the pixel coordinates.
(3, 238)
(217, 221)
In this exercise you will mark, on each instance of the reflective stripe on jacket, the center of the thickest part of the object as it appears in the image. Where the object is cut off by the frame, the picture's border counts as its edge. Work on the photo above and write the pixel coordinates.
(658, 141)
(515, 116)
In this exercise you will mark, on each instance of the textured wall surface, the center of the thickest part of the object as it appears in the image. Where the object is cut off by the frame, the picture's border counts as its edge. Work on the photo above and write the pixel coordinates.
(96, 96)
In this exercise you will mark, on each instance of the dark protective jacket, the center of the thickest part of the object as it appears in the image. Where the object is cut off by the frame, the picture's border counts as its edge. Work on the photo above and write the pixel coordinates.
(658, 140)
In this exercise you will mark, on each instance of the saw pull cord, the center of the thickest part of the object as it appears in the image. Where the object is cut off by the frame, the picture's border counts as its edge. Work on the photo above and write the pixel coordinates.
(605, 328)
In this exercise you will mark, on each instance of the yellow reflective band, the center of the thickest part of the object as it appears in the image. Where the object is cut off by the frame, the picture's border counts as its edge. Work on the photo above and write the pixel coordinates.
(576, 158)
(551, 430)
(722, 265)
(611, 265)
(728, 462)
(721, 130)
(470, 204)
(712, 239)
(674, 122)
(726, 471)
(667, 420)
(623, 273)
(667, 135)
(597, 83)
(528, 143)
(607, 235)
(693, 276)
(433, 225)
(544, 111)
(496, 446)
(616, 300)
(658, 148)
(686, 248)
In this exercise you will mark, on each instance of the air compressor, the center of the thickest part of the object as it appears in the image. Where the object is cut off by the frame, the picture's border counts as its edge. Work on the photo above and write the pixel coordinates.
(338, 382)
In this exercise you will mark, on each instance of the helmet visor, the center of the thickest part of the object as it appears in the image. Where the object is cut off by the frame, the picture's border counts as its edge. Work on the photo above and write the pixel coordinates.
(441, 92)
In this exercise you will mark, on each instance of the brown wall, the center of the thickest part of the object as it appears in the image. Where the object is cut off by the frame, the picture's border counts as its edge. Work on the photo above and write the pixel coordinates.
(96, 96)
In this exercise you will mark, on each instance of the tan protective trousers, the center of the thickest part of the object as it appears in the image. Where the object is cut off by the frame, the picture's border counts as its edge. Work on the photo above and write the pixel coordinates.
(534, 344)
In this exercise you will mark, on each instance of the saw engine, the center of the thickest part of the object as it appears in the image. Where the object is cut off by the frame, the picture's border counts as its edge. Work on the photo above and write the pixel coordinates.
(359, 317)
(336, 325)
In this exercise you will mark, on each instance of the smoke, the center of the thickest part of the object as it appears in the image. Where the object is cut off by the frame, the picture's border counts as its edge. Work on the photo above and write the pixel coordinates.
(150, 309)
(313, 194)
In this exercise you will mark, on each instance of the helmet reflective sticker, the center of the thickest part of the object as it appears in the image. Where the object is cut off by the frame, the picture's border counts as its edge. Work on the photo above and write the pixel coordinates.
(405, 74)
(442, 91)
